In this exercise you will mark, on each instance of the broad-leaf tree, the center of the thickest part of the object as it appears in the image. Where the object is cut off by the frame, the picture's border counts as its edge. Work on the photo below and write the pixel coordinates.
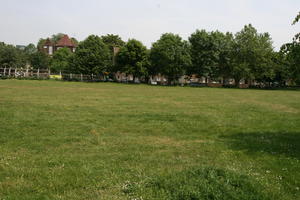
(10, 56)
(61, 60)
(40, 60)
(291, 52)
(170, 56)
(210, 53)
(252, 55)
(112, 40)
(92, 56)
(133, 59)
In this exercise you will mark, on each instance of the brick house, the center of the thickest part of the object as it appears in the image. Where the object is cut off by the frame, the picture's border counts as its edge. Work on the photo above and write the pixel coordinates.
(50, 47)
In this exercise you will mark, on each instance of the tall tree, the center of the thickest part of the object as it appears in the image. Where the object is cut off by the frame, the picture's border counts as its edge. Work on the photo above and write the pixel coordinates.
(210, 53)
(296, 20)
(40, 60)
(10, 56)
(291, 52)
(112, 40)
(133, 59)
(56, 37)
(114, 43)
(40, 44)
(92, 56)
(61, 60)
(282, 72)
(252, 55)
(30, 49)
(170, 55)
(204, 53)
(225, 45)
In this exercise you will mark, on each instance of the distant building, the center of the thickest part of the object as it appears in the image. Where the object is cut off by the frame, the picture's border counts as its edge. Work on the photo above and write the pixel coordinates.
(50, 47)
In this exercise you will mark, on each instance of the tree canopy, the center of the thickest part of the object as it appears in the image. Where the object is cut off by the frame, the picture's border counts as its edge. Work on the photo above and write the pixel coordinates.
(210, 53)
(252, 55)
(10, 56)
(92, 56)
(170, 56)
(61, 60)
(112, 40)
(40, 60)
(133, 59)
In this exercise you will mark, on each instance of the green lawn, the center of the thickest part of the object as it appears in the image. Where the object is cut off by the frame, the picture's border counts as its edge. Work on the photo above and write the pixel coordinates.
(68, 140)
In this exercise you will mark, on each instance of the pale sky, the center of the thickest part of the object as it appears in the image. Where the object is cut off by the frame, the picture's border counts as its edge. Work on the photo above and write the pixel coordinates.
(25, 21)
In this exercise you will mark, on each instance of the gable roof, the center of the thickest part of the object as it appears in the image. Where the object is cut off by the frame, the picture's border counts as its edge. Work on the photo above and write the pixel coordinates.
(65, 41)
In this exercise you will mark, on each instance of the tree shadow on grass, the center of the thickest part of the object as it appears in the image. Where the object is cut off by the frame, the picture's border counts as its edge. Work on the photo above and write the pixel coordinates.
(275, 143)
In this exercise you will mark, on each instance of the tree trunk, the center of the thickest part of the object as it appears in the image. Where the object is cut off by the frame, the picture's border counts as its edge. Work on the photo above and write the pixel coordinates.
(169, 81)
(237, 82)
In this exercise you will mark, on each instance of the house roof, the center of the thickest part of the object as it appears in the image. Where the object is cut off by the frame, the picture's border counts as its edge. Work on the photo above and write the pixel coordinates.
(65, 41)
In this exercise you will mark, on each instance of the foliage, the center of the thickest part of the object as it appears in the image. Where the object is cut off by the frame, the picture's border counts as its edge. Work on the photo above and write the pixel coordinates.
(225, 48)
(112, 40)
(40, 60)
(281, 68)
(252, 55)
(296, 19)
(40, 44)
(30, 49)
(61, 60)
(170, 56)
(10, 56)
(74, 40)
(54, 39)
(210, 53)
(92, 56)
(291, 52)
(133, 59)
(291, 56)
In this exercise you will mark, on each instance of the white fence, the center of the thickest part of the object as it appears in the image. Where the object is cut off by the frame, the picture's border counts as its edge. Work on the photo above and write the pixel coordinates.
(46, 74)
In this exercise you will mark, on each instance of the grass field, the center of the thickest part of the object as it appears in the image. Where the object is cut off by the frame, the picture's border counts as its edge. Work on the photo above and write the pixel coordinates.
(68, 140)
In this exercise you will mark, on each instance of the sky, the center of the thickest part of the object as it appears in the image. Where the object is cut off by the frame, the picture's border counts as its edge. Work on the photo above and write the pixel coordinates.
(25, 21)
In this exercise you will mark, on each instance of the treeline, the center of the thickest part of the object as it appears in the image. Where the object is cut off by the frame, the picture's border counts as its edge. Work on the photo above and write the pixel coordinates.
(246, 55)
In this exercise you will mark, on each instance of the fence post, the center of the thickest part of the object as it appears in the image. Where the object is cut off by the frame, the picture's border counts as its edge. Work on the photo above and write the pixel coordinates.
(26, 75)
(9, 71)
(49, 72)
(71, 77)
(16, 69)
(81, 77)
(92, 76)
(4, 71)
(38, 73)
(60, 72)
